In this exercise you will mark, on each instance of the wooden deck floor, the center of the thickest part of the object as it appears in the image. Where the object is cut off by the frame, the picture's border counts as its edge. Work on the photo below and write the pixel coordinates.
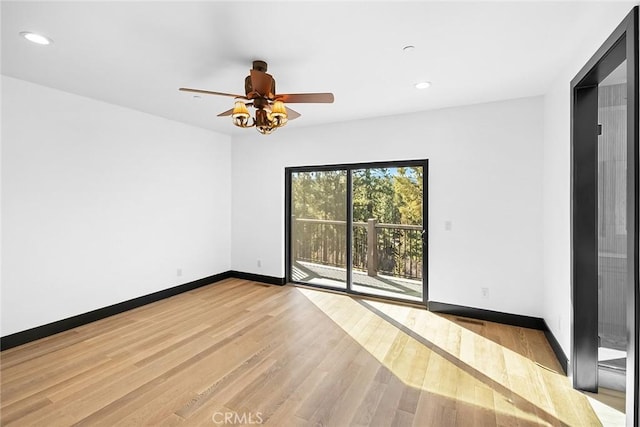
(239, 352)
(380, 285)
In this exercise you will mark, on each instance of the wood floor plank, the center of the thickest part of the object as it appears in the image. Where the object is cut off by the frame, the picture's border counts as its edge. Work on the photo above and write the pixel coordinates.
(290, 356)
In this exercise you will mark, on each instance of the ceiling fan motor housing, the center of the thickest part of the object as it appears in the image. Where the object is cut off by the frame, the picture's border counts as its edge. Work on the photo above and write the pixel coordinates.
(248, 88)
(260, 66)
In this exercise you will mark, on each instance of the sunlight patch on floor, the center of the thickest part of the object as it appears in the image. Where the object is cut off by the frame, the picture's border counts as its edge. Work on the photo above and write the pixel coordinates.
(608, 406)
(462, 365)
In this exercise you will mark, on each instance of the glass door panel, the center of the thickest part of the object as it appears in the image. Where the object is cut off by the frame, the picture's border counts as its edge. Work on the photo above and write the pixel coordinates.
(612, 228)
(387, 244)
(318, 228)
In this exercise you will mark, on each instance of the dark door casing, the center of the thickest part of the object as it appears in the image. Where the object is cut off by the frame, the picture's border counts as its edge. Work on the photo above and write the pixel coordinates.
(621, 45)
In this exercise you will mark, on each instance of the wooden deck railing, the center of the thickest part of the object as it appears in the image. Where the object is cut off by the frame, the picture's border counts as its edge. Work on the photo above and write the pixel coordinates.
(391, 249)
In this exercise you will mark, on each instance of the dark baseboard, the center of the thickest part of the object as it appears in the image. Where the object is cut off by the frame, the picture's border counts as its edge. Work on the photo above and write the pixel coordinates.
(488, 315)
(507, 319)
(272, 280)
(23, 337)
(557, 349)
(43, 331)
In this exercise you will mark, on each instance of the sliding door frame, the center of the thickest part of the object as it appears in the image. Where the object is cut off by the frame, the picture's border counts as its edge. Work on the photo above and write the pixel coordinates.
(621, 45)
(349, 168)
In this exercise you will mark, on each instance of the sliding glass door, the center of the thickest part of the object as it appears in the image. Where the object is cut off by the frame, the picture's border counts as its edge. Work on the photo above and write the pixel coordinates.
(359, 228)
(387, 226)
(319, 228)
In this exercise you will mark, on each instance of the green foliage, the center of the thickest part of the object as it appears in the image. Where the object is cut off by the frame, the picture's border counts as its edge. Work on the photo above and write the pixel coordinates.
(407, 184)
(319, 195)
(389, 195)
(373, 196)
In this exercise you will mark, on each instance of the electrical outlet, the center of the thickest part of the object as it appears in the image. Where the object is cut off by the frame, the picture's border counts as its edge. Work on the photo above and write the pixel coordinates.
(179, 272)
(485, 292)
(448, 225)
(259, 262)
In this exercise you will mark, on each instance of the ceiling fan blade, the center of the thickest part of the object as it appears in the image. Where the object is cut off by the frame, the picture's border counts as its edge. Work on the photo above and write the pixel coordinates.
(208, 92)
(292, 98)
(262, 83)
(226, 113)
(292, 114)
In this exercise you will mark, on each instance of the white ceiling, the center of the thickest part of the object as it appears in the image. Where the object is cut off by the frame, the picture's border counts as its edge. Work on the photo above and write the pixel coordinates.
(137, 54)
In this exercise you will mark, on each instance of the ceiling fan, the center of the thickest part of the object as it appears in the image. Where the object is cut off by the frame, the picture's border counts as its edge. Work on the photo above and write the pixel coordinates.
(260, 93)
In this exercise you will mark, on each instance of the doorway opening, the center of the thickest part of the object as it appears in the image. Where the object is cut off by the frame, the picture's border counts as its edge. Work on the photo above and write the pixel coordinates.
(604, 218)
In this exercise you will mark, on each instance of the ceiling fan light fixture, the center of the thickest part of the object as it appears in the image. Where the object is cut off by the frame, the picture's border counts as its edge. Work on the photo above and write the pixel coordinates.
(240, 115)
(278, 114)
(263, 123)
(36, 38)
(277, 109)
(240, 109)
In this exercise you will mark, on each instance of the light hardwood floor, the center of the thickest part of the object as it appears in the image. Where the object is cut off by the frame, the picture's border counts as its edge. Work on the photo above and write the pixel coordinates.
(287, 356)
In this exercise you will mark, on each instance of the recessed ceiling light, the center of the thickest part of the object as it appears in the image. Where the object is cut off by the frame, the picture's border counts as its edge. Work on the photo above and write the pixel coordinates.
(408, 48)
(36, 38)
(423, 85)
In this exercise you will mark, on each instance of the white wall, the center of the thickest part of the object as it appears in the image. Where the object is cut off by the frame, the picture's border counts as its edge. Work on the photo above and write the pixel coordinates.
(556, 183)
(485, 173)
(101, 204)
